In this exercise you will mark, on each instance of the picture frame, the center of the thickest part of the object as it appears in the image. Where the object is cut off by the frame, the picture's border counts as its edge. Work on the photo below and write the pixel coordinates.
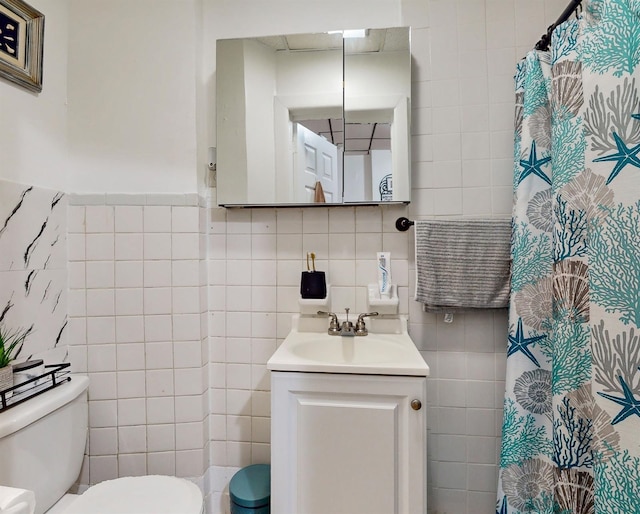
(21, 44)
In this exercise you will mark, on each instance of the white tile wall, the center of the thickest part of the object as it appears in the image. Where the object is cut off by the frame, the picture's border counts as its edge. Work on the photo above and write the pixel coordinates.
(135, 313)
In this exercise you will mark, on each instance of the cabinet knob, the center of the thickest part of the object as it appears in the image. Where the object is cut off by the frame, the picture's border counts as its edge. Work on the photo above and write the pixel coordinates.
(416, 404)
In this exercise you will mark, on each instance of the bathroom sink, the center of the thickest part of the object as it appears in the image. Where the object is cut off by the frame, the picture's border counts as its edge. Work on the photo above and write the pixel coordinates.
(308, 348)
(347, 350)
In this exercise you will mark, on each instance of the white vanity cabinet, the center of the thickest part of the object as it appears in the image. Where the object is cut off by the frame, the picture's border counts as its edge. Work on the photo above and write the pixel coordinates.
(348, 443)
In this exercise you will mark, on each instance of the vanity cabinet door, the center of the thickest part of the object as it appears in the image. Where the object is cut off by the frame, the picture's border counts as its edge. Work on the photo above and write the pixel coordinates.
(348, 444)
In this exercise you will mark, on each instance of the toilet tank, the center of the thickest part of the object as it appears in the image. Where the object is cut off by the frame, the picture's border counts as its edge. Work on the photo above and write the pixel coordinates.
(42, 442)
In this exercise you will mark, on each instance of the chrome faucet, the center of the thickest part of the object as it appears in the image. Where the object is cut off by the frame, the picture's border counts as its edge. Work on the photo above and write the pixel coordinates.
(347, 328)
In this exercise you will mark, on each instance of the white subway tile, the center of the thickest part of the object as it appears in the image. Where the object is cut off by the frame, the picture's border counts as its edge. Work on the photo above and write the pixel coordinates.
(103, 467)
(159, 382)
(99, 247)
(161, 438)
(185, 219)
(187, 354)
(131, 384)
(190, 463)
(185, 246)
(157, 273)
(157, 300)
(238, 428)
(263, 221)
(130, 356)
(263, 246)
(160, 410)
(129, 273)
(128, 218)
(289, 246)
(101, 357)
(263, 273)
(157, 218)
(132, 439)
(185, 273)
(238, 402)
(342, 246)
(128, 247)
(342, 220)
(157, 246)
(315, 221)
(289, 221)
(263, 299)
(238, 298)
(103, 441)
(190, 408)
(102, 386)
(239, 246)
(129, 329)
(186, 327)
(263, 325)
(99, 274)
(103, 413)
(161, 463)
(239, 221)
(98, 218)
(480, 394)
(185, 300)
(132, 464)
(100, 330)
(159, 355)
(132, 411)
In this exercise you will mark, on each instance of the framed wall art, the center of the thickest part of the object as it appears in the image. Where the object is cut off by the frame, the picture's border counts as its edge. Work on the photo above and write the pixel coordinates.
(21, 44)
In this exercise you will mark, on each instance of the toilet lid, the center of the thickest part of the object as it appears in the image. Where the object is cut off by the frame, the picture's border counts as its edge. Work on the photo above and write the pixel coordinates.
(140, 495)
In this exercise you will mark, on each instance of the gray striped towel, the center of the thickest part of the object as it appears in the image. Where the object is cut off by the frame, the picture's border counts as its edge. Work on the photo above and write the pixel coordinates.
(463, 264)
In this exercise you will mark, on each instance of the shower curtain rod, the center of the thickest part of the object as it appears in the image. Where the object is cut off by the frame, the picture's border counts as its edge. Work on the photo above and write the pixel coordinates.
(543, 44)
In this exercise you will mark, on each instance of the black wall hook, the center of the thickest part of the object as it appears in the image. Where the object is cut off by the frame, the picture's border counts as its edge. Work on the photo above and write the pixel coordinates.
(403, 224)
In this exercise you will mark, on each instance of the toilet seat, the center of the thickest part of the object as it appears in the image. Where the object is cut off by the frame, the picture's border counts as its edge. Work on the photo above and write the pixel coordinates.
(153, 494)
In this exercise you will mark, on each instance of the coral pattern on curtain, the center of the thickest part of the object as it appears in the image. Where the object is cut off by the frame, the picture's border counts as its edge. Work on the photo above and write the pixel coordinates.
(571, 428)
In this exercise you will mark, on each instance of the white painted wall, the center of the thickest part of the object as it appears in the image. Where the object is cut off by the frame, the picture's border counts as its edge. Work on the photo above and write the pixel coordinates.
(33, 133)
(132, 95)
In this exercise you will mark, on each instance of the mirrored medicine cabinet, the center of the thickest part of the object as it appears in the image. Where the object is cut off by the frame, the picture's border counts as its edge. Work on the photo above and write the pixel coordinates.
(314, 119)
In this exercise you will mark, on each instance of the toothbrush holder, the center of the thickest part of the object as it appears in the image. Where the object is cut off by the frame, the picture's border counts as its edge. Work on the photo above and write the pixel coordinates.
(313, 284)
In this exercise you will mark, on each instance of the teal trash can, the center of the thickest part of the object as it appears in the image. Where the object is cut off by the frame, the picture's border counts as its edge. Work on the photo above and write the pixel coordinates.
(250, 490)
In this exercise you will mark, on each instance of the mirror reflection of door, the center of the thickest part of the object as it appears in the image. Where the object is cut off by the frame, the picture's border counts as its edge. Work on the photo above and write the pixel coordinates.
(316, 169)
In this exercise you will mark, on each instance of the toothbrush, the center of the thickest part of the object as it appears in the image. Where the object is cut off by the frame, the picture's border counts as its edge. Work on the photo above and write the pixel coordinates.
(313, 261)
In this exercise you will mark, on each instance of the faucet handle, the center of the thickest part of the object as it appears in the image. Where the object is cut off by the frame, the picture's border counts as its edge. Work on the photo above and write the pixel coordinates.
(361, 329)
(334, 326)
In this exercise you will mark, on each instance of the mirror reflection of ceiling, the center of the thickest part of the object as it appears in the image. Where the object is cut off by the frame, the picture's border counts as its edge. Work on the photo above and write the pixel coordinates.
(376, 40)
(361, 137)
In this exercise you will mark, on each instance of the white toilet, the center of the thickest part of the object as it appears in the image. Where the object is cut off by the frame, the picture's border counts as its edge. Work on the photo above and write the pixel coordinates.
(42, 444)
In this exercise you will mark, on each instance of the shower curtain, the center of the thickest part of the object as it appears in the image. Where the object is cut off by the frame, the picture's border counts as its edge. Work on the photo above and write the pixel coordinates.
(571, 427)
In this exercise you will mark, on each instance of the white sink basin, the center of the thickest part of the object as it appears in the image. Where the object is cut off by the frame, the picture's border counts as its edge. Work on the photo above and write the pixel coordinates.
(376, 353)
